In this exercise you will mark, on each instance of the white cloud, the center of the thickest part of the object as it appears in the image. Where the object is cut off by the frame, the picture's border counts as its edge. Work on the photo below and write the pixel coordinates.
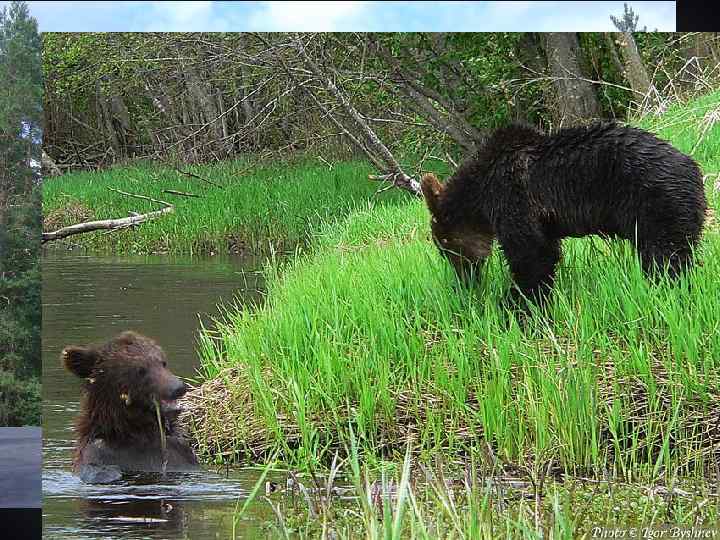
(660, 16)
(306, 16)
(127, 16)
(349, 15)
(201, 15)
(513, 9)
(180, 17)
(574, 16)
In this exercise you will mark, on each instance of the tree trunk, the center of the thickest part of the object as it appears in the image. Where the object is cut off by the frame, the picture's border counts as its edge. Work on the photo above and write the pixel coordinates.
(5, 187)
(107, 120)
(449, 121)
(453, 75)
(530, 53)
(634, 71)
(425, 108)
(614, 57)
(248, 111)
(48, 165)
(395, 172)
(576, 98)
(203, 96)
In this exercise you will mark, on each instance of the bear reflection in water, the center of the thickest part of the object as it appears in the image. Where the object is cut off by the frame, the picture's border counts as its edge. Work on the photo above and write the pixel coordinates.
(129, 392)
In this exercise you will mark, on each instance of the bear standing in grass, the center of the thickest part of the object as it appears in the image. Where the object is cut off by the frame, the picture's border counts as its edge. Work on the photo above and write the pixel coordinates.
(529, 190)
(129, 393)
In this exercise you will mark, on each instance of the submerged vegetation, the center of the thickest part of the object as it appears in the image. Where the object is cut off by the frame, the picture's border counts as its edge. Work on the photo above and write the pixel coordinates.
(410, 501)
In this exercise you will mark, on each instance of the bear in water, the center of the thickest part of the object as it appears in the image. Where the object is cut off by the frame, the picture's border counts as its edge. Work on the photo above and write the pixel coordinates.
(129, 393)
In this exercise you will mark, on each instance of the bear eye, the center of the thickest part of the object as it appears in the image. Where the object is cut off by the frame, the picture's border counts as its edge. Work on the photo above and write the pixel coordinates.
(142, 371)
(444, 240)
(164, 363)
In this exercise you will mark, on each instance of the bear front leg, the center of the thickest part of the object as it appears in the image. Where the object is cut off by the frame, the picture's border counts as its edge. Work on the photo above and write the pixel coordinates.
(532, 261)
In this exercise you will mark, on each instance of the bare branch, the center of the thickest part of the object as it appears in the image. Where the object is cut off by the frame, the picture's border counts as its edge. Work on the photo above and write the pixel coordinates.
(193, 175)
(399, 177)
(181, 193)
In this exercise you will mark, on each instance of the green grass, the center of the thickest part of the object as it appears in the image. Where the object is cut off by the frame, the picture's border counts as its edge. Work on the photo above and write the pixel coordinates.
(366, 347)
(375, 321)
(616, 376)
(693, 128)
(474, 503)
(256, 206)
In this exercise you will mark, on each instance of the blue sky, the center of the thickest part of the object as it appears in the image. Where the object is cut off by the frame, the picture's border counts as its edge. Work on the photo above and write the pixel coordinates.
(343, 16)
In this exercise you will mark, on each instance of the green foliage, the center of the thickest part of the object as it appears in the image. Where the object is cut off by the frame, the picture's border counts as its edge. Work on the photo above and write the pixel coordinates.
(20, 218)
(487, 79)
(473, 70)
(20, 401)
(628, 21)
(20, 308)
(491, 60)
(20, 69)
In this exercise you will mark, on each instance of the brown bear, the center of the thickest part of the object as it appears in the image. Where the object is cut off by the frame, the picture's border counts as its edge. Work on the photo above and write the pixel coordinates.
(528, 190)
(118, 425)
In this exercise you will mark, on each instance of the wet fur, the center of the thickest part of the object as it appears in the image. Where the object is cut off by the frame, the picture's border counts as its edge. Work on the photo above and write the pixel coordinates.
(528, 191)
(117, 424)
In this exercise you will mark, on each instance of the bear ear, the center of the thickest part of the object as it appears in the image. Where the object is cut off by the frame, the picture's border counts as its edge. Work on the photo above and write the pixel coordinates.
(432, 190)
(79, 360)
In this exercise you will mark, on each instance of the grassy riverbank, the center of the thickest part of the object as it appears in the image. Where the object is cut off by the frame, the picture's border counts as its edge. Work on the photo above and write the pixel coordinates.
(373, 330)
(250, 207)
(369, 337)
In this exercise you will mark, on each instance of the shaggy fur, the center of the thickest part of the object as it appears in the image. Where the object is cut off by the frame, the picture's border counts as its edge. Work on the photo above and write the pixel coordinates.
(529, 190)
(118, 424)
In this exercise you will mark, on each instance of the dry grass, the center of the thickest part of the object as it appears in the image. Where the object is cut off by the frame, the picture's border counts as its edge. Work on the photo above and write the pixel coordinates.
(223, 421)
(73, 211)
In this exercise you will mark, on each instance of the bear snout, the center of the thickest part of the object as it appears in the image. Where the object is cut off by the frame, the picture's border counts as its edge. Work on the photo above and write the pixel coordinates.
(178, 390)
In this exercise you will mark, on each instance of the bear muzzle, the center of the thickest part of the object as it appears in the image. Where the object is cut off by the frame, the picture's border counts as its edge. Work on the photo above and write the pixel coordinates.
(169, 402)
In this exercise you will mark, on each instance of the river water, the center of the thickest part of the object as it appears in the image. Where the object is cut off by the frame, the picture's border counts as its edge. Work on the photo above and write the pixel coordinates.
(88, 299)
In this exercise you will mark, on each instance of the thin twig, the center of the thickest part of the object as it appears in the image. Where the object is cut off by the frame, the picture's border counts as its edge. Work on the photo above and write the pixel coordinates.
(193, 175)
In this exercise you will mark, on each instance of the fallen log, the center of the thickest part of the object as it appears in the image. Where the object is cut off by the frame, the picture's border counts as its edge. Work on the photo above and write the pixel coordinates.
(110, 224)
(119, 223)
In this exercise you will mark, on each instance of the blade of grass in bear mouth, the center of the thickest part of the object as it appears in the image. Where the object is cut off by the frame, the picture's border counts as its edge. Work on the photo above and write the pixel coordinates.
(163, 440)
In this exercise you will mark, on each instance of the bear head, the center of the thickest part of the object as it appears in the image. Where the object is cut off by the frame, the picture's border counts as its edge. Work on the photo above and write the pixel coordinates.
(125, 379)
(464, 243)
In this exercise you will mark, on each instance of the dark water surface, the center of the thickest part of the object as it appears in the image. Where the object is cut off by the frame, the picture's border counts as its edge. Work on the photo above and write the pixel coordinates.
(89, 298)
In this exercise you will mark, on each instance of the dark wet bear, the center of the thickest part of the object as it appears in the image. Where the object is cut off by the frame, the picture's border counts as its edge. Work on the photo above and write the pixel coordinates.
(529, 190)
(118, 426)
